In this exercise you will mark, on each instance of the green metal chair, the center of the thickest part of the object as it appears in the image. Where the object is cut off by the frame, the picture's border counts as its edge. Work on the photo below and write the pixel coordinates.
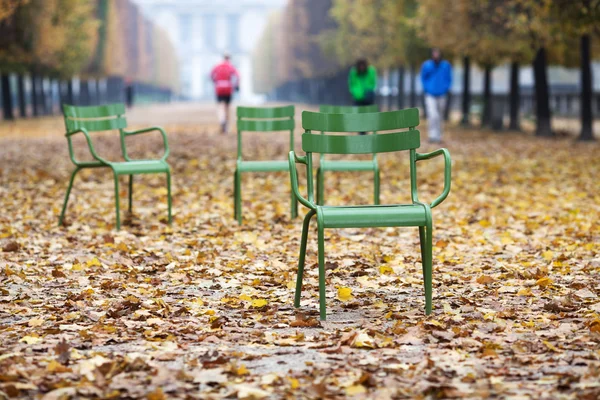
(416, 214)
(103, 118)
(254, 119)
(347, 165)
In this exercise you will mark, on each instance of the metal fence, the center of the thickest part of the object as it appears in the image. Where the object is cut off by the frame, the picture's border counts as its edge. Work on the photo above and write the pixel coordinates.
(27, 96)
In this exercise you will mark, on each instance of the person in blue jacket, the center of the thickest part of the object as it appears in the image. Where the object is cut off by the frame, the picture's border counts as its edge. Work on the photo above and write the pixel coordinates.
(436, 77)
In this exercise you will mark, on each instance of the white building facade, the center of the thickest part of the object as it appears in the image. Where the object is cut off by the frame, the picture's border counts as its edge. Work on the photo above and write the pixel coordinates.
(203, 30)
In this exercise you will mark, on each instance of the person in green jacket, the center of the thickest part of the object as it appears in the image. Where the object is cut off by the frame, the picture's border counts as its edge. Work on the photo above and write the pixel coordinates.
(361, 83)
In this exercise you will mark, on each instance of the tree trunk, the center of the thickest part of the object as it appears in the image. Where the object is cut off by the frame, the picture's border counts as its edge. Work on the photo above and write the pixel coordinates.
(515, 97)
(35, 101)
(22, 102)
(84, 93)
(413, 86)
(587, 132)
(400, 88)
(44, 109)
(68, 98)
(542, 95)
(466, 97)
(486, 115)
(7, 104)
(448, 106)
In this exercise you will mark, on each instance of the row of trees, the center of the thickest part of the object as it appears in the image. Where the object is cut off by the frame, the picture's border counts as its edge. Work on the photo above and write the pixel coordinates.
(60, 39)
(399, 34)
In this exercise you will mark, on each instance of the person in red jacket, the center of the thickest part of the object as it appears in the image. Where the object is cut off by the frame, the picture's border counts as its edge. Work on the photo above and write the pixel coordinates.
(226, 80)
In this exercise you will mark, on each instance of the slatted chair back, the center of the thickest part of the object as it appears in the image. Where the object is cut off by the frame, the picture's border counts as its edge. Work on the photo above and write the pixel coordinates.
(95, 118)
(265, 119)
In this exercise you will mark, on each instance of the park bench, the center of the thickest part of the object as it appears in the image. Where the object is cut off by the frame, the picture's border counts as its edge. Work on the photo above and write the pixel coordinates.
(83, 120)
(417, 214)
(258, 119)
(347, 165)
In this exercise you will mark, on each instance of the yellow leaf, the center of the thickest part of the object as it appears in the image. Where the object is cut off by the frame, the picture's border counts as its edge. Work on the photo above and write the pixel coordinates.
(548, 255)
(122, 246)
(363, 340)
(485, 223)
(294, 383)
(242, 370)
(291, 285)
(344, 294)
(33, 339)
(258, 303)
(385, 269)
(198, 302)
(94, 262)
(55, 366)
(355, 389)
(524, 292)
(544, 282)
(245, 297)
(551, 346)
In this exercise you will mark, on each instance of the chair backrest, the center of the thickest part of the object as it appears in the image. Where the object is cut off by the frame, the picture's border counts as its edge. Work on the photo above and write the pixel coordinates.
(348, 109)
(361, 144)
(265, 119)
(95, 118)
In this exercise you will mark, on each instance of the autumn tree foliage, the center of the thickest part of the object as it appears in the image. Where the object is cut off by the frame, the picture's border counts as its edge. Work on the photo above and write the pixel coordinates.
(89, 38)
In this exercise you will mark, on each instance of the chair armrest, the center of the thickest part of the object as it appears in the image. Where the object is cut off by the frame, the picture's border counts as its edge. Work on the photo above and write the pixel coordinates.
(294, 179)
(447, 172)
(88, 139)
(145, 130)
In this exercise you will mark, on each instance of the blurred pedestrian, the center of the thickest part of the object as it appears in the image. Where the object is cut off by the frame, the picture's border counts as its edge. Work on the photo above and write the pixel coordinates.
(226, 80)
(436, 77)
(362, 81)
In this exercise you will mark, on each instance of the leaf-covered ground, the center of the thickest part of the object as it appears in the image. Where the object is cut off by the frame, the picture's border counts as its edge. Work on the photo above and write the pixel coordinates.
(203, 309)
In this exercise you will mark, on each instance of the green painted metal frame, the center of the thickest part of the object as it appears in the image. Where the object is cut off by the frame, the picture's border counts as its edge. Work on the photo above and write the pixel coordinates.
(83, 120)
(416, 214)
(261, 119)
(347, 165)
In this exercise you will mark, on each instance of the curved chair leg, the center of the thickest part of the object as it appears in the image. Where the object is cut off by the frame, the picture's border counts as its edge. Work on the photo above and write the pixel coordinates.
(169, 200)
(64, 208)
(376, 187)
(320, 186)
(426, 239)
(237, 196)
(130, 193)
(117, 201)
(294, 205)
(322, 299)
(302, 257)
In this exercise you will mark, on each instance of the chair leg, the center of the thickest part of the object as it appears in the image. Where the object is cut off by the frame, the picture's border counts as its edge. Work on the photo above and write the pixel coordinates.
(130, 193)
(117, 201)
(302, 257)
(294, 205)
(169, 200)
(320, 186)
(237, 196)
(322, 299)
(376, 187)
(64, 208)
(426, 239)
